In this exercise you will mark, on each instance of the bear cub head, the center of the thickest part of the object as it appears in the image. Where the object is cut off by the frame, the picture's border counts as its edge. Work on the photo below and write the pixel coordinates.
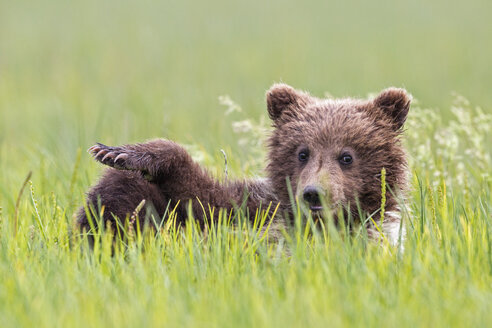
(332, 151)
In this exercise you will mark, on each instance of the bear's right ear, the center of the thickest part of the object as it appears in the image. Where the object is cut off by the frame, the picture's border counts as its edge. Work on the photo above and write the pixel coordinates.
(282, 96)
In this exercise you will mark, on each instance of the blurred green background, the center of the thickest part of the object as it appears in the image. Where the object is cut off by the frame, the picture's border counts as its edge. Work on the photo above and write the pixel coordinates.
(73, 73)
(76, 72)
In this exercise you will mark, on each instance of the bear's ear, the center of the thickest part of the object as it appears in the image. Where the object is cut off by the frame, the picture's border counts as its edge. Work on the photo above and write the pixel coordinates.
(282, 96)
(395, 103)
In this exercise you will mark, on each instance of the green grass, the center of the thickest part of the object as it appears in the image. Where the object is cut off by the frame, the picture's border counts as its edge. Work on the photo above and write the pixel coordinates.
(73, 73)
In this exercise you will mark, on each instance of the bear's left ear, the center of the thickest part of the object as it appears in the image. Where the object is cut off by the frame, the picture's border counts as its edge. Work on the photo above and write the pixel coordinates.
(282, 97)
(395, 103)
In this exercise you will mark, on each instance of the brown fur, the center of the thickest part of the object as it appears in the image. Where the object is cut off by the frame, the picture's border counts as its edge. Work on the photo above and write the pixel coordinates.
(162, 172)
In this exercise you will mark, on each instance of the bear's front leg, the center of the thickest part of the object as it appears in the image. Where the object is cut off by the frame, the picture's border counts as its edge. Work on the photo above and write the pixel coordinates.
(169, 167)
(157, 160)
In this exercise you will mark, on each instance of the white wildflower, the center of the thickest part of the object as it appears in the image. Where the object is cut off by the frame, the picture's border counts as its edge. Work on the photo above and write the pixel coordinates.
(244, 126)
(225, 100)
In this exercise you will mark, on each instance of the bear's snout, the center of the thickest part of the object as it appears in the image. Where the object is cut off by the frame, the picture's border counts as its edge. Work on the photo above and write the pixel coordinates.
(311, 195)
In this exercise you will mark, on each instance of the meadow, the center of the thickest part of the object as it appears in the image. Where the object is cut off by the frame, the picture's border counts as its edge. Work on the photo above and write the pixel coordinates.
(75, 73)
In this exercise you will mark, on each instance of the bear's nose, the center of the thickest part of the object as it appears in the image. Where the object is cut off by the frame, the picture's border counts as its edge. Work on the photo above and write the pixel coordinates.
(311, 196)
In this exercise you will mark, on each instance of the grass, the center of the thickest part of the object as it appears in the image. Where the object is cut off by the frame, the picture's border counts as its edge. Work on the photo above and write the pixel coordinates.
(75, 73)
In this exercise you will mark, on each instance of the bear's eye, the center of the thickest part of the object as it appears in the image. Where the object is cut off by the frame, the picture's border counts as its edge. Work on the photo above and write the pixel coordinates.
(303, 155)
(346, 159)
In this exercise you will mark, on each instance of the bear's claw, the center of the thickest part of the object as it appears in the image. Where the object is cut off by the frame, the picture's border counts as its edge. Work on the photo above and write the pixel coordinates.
(111, 156)
(93, 149)
(122, 157)
(101, 153)
(117, 157)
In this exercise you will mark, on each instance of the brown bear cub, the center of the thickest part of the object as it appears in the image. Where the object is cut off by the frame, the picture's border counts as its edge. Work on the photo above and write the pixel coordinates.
(330, 151)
